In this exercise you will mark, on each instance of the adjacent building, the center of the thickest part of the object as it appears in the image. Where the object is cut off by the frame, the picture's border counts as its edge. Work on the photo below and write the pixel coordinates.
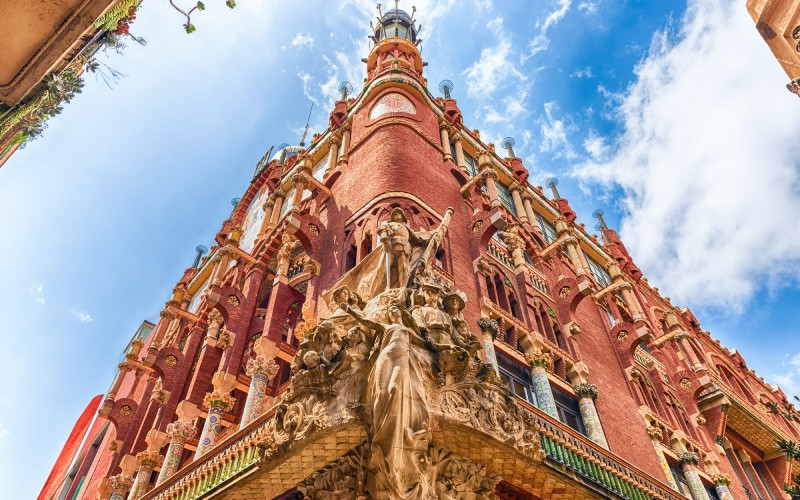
(395, 311)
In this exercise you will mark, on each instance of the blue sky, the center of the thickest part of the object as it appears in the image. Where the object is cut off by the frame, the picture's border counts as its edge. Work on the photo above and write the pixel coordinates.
(672, 117)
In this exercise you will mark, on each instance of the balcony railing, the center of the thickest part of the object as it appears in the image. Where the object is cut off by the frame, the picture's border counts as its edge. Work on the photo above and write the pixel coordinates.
(577, 453)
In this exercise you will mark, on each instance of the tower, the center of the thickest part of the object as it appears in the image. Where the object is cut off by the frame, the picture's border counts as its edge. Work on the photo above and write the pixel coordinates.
(395, 312)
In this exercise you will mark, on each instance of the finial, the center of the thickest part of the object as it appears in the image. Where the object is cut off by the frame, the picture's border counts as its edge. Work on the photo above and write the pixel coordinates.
(201, 250)
(445, 87)
(380, 15)
(345, 88)
(601, 224)
(508, 143)
(308, 120)
(552, 182)
(234, 203)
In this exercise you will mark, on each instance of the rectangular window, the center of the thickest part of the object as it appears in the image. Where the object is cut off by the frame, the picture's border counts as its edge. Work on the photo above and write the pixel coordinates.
(568, 412)
(472, 168)
(600, 274)
(516, 378)
(505, 196)
(548, 229)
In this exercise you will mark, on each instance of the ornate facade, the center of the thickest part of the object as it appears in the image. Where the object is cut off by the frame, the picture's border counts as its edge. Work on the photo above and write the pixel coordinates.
(395, 312)
(778, 23)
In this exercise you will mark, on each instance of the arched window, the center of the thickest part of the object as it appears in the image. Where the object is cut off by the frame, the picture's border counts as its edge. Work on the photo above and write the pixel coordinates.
(366, 245)
(441, 260)
(350, 259)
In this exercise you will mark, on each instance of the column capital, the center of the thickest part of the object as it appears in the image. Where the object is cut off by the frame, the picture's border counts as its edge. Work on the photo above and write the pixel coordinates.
(149, 458)
(335, 139)
(260, 364)
(120, 484)
(168, 313)
(721, 479)
(655, 433)
(688, 458)
(300, 179)
(456, 137)
(217, 399)
(181, 431)
(489, 326)
(540, 358)
(586, 390)
(125, 367)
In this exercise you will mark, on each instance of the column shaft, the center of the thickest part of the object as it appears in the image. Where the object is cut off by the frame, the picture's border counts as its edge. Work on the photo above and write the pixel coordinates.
(345, 145)
(521, 214)
(140, 483)
(259, 383)
(488, 346)
(276, 211)
(211, 428)
(491, 188)
(662, 459)
(462, 164)
(723, 492)
(333, 155)
(544, 394)
(695, 483)
(172, 460)
(445, 142)
(592, 421)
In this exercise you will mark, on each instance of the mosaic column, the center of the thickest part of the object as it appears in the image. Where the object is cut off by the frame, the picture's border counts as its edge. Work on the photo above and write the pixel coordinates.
(689, 463)
(119, 486)
(657, 436)
(489, 330)
(179, 432)
(261, 369)
(540, 362)
(587, 393)
(721, 483)
(148, 460)
(217, 404)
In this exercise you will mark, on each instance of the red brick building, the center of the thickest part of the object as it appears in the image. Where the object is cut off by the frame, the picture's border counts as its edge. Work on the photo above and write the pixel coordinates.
(587, 382)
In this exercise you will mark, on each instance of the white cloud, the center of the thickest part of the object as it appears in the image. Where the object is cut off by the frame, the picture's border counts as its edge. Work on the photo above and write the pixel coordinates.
(588, 7)
(708, 162)
(82, 316)
(541, 42)
(553, 133)
(494, 68)
(583, 73)
(4, 432)
(789, 380)
(37, 292)
(301, 40)
(596, 147)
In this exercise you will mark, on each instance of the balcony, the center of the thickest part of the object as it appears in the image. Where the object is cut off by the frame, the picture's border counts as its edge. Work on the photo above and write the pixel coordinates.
(563, 464)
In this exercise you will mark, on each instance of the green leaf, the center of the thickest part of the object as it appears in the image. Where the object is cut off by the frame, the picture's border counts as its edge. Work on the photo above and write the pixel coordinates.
(201, 6)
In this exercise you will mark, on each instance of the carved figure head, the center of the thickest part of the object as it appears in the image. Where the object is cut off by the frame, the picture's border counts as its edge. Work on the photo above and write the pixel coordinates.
(398, 215)
(454, 302)
(342, 295)
(431, 295)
